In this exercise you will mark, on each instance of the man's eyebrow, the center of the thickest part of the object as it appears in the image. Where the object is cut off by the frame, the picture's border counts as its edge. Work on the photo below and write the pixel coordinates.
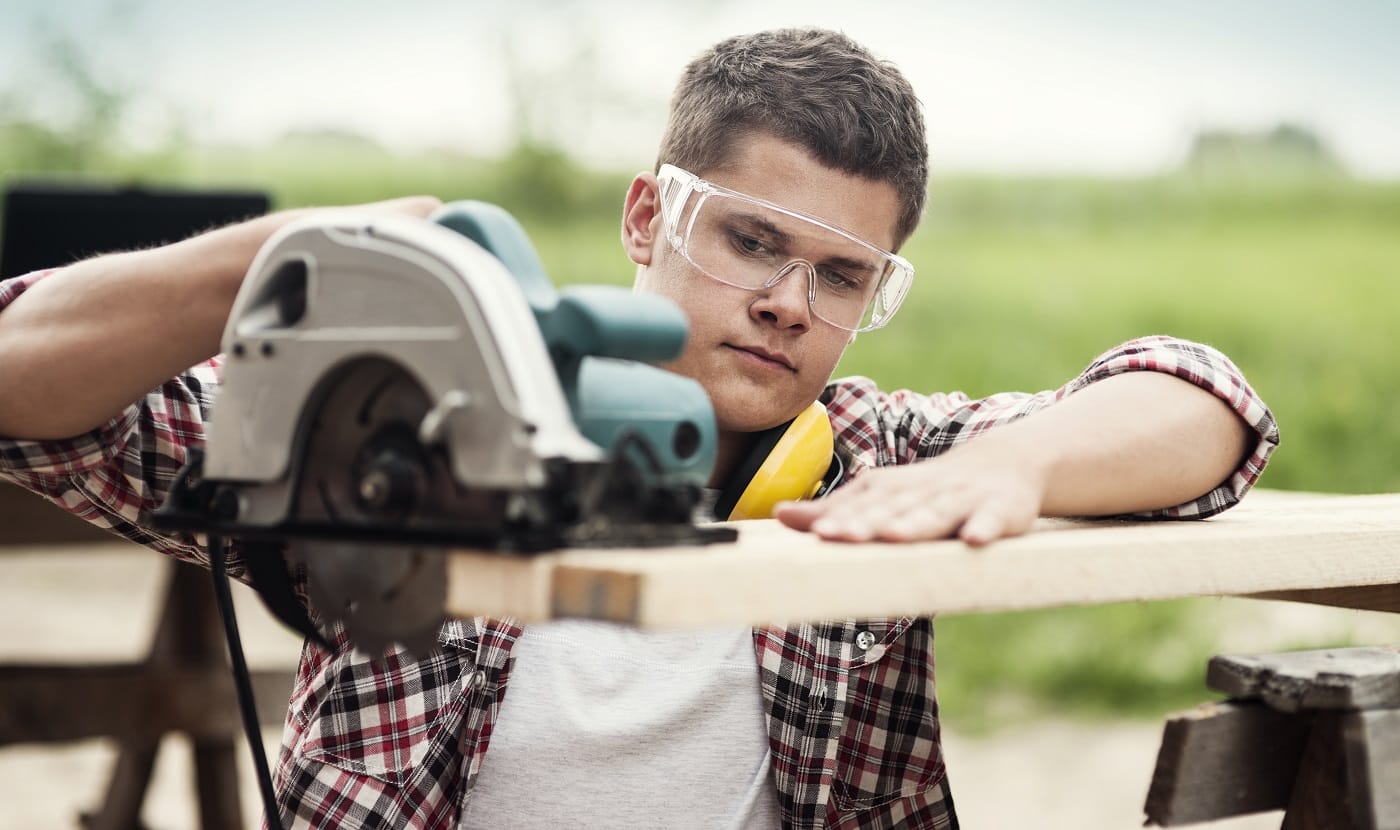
(782, 237)
(851, 264)
(760, 223)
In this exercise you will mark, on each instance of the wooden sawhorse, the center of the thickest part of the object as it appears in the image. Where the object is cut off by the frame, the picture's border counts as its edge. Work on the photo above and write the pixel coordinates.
(1314, 733)
(183, 685)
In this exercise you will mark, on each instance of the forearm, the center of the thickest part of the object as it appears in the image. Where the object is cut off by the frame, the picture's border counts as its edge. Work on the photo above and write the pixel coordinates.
(1132, 442)
(83, 343)
(80, 345)
(1155, 425)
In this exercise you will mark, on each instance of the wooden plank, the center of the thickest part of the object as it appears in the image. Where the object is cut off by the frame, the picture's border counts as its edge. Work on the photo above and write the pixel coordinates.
(1338, 678)
(1372, 741)
(57, 703)
(1224, 759)
(774, 575)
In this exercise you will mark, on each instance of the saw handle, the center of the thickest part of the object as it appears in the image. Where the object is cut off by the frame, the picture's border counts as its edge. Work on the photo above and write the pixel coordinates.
(583, 321)
(607, 321)
(494, 229)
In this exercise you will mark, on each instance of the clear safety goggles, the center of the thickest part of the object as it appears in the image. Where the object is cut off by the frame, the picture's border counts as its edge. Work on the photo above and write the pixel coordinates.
(754, 244)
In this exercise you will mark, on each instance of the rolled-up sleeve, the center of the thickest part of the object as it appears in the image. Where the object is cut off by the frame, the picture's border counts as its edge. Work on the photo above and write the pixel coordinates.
(1212, 371)
(875, 428)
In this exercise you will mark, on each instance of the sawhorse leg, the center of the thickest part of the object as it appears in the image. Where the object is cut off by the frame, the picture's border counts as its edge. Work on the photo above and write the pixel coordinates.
(187, 636)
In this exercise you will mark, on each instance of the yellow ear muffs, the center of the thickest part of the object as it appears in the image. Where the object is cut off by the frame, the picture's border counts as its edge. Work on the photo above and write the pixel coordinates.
(789, 462)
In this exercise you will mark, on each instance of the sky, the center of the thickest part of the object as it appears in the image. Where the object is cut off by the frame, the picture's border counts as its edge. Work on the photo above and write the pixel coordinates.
(1008, 86)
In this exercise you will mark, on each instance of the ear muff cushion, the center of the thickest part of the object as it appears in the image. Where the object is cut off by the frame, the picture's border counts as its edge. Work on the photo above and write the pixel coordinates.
(791, 468)
(729, 495)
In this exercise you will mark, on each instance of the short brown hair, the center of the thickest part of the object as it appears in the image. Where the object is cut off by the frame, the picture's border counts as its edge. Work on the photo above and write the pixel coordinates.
(815, 88)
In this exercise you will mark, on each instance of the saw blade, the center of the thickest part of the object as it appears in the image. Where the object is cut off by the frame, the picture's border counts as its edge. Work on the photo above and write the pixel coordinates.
(361, 464)
(382, 595)
(360, 459)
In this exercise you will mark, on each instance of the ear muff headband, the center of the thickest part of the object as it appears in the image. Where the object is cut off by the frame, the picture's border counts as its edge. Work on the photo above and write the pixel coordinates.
(793, 469)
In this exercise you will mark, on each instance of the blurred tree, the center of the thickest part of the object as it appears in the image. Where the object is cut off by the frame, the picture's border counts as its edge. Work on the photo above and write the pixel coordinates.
(540, 179)
(320, 138)
(100, 99)
(556, 88)
(1288, 151)
(70, 112)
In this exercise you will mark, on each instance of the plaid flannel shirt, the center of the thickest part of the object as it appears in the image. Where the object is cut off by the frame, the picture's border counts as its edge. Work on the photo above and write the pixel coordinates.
(397, 742)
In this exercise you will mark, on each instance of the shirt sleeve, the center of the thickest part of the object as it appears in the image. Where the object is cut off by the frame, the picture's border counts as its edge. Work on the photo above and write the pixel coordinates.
(874, 428)
(117, 474)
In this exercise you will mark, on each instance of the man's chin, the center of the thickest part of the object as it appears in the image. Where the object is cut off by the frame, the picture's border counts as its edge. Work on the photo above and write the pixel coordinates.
(752, 419)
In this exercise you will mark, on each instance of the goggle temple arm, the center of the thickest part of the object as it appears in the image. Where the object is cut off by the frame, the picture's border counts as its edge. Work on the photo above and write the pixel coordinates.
(675, 186)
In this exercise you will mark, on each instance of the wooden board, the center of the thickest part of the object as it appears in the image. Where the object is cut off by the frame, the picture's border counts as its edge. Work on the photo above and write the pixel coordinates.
(1269, 543)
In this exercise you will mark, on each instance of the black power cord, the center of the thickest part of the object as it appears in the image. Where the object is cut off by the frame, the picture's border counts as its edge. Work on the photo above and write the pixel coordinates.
(242, 681)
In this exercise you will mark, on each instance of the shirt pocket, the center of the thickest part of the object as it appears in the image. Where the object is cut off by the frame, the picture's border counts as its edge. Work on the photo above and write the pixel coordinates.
(392, 717)
(889, 747)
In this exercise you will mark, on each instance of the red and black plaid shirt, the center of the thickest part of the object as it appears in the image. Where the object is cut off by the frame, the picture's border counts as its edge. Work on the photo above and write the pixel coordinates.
(397, 742)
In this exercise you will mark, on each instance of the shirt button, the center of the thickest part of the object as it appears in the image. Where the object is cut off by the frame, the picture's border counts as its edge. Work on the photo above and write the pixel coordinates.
(477, 680)
(864, 640)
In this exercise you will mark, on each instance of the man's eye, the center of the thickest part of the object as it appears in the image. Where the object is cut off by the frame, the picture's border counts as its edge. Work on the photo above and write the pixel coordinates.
(747, 244)
(837, 281)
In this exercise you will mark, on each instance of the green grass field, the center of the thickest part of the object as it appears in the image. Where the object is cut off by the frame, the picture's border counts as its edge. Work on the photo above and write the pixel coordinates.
(1021, 283)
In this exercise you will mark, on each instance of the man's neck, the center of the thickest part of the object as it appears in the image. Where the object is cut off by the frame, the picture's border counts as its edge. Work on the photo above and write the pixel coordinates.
(732, 449)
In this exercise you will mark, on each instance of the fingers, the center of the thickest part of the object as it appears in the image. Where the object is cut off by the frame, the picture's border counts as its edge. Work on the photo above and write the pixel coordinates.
(897, 514)
(997, 519)
(798, 515)
(910, 505)
(420, 206)
(888, 508)
(982, 527)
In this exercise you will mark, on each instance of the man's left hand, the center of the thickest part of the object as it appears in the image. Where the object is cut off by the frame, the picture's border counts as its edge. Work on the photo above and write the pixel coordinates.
(978, 492)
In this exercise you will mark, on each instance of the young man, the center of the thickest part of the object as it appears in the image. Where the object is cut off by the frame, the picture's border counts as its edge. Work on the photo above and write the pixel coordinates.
(793, 167)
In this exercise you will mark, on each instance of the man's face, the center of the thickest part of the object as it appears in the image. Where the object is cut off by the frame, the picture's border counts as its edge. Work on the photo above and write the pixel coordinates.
(762, 355)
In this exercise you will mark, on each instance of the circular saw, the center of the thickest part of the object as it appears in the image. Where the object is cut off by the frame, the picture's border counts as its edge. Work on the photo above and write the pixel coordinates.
(394, 388)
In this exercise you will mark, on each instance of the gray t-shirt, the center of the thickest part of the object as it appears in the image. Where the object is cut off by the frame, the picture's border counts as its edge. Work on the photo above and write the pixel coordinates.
(606, 726)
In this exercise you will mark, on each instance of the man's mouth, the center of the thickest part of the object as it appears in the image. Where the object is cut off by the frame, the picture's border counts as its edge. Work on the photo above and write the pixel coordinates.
(762, 357)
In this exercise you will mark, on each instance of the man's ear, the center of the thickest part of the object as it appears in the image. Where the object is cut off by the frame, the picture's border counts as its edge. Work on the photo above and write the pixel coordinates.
(641, 218)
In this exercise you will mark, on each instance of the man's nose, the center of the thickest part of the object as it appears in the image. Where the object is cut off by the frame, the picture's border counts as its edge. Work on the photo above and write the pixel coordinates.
(784, 301)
